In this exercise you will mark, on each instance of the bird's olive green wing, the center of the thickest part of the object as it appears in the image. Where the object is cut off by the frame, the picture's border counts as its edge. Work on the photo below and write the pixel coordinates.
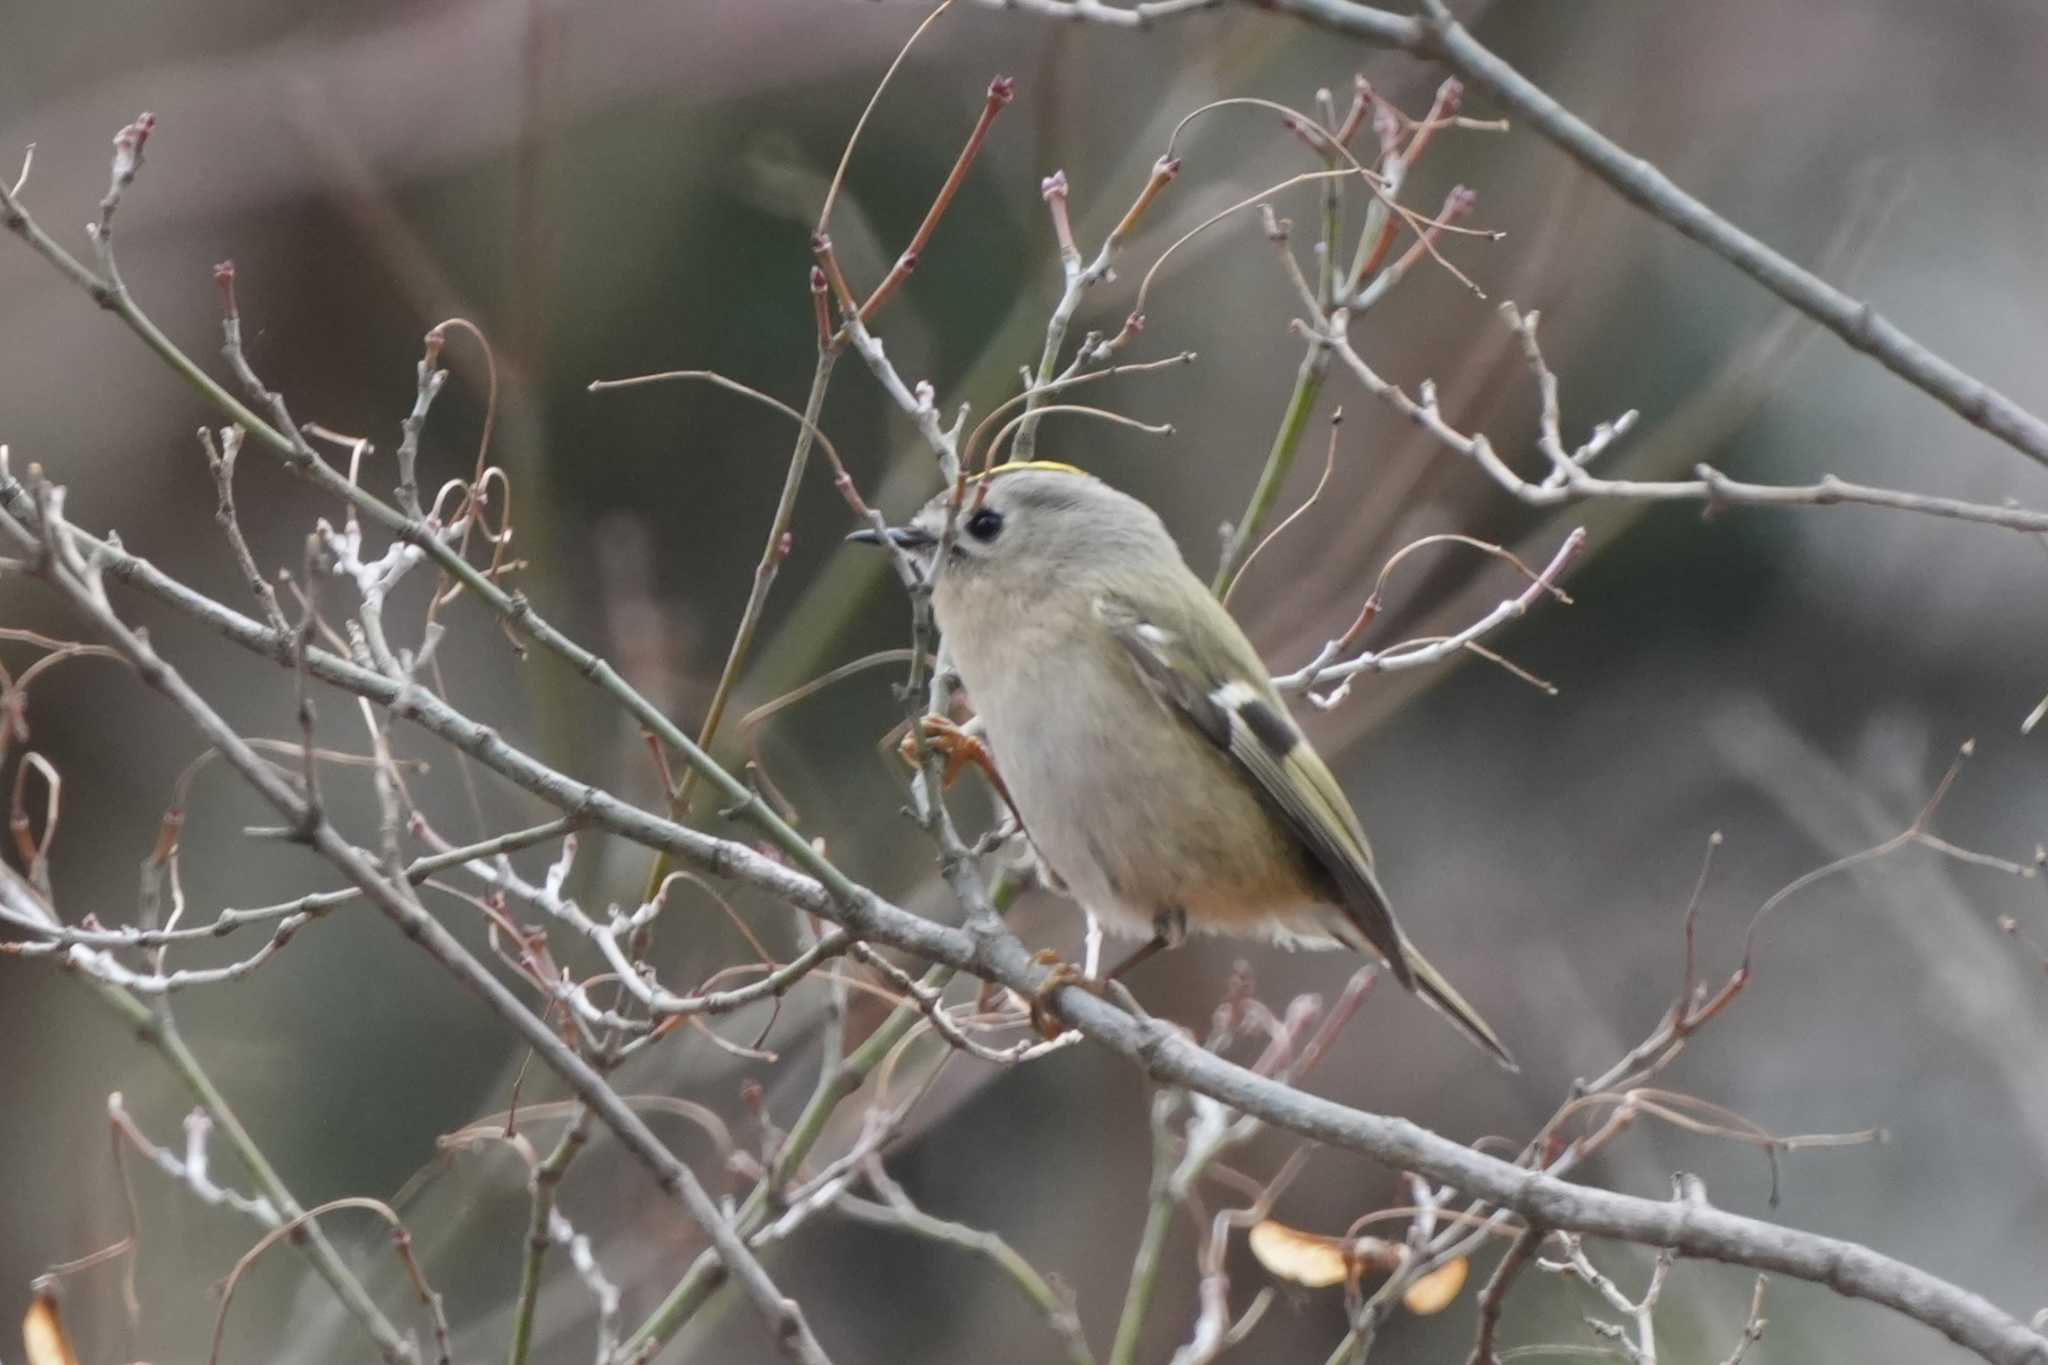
(1222, 689)
(1228, 700)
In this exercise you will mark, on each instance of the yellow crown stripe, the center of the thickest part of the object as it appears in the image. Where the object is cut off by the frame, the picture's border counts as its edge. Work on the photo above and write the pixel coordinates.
(1043, 466)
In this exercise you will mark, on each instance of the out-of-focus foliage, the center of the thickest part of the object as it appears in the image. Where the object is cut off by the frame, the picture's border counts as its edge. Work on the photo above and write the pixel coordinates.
(613, 189)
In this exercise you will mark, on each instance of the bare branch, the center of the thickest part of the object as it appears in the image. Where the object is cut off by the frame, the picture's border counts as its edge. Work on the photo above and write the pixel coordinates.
(158, 1030)
(1436, 35)
(67, 571)
(1568, 480)
(1152, 1045)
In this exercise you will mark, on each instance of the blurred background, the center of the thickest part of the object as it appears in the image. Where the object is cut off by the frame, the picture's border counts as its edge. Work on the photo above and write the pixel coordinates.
(617, 188)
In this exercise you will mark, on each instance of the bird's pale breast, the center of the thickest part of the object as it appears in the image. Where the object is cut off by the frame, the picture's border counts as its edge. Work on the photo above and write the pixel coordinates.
(1154, 820)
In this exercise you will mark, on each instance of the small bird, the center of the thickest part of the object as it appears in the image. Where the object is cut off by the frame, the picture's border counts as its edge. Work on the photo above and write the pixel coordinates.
(1141, 740)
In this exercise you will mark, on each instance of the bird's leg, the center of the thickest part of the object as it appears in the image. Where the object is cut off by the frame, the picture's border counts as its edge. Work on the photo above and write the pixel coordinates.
(1169, 930)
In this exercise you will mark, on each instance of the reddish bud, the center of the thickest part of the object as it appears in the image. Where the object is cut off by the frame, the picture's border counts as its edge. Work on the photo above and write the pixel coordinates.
(818, 285)
(135, 134)
(224, 280)
(1002, 89)
(128, 148)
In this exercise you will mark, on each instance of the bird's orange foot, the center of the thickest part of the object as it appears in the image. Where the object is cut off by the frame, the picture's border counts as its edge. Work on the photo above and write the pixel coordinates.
(1045, 1017)
(955, 745)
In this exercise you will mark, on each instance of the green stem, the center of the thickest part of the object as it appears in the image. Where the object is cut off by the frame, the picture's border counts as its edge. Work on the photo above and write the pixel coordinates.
(547, 1179)
(514, 609)
(1130, 1325)
(772, 554)
(159, 1031)
(1308, 384)
(1331, 289)
(706, 1275)
(833, 1084)
(1333, 228)
(1036, 1287)
(1375, 224)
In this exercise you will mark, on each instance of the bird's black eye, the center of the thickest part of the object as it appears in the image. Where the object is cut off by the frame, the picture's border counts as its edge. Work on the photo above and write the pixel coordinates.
(985, 524)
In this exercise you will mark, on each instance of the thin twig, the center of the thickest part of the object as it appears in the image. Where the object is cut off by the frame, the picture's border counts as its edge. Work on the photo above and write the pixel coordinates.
(1151, 1045)
(68, 572)
(158, 1031)
(1436, 35)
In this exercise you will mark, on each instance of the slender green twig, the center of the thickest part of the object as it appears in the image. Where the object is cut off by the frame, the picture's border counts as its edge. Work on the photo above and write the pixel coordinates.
(1308, 386)
(1331, 287)
(158, 1031)
(1335, 294)
(772, 555)
(157, 1028)
(896, 1210)
(705, 1275)
(1130, 1324)
(830, 1087)
(1333, 211)
(546, 1181)
(512, 608)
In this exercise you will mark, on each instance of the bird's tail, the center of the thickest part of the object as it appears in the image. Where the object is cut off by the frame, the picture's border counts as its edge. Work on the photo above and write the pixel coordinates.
(1429, 983)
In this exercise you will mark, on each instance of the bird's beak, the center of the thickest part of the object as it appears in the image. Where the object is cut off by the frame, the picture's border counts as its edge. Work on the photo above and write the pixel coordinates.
(904, 537)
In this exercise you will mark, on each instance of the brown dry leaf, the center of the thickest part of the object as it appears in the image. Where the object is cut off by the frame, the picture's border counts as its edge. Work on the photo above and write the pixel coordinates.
(1435, 1291)
(1300, 1257)
(42, 1333)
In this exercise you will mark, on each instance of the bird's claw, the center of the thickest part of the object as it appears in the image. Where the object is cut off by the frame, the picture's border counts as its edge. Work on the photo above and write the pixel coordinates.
(952, 743)
(1045, 1016)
